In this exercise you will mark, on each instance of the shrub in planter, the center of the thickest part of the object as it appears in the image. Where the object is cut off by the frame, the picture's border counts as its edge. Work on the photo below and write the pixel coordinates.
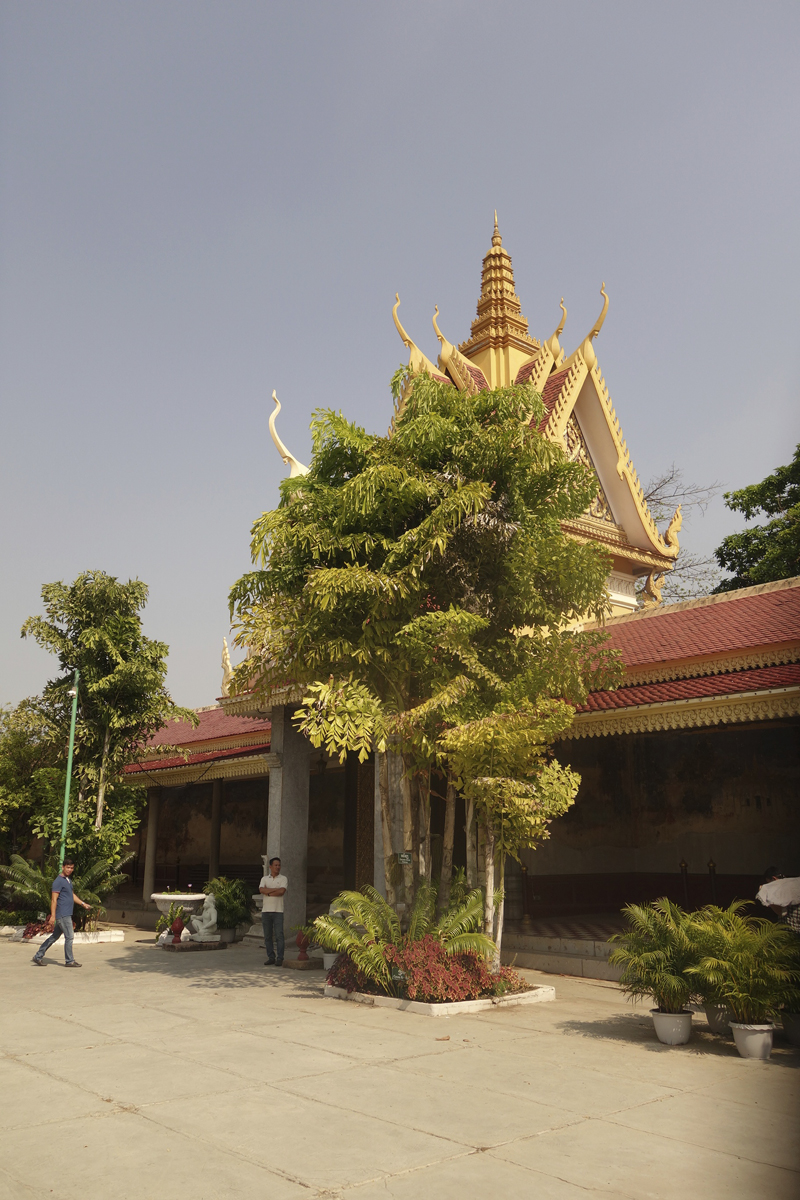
(364, 927)
(18, 916)
(656, 954)
(176, 913)
(232, 898)
(753, 967)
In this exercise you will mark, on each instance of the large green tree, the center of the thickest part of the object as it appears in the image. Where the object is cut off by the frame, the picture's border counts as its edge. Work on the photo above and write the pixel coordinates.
(416, 581)
(771, 550)
(95, 625)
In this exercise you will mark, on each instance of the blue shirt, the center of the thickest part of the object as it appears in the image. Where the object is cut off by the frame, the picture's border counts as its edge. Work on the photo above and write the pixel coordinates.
(65, 903)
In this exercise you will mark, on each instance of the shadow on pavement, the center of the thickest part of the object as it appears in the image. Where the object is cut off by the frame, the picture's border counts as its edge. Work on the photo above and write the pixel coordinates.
(635, 1029)
(222, 969)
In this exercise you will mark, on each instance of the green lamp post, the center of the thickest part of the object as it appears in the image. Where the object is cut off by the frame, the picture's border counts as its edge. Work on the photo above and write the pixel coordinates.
(74, 693)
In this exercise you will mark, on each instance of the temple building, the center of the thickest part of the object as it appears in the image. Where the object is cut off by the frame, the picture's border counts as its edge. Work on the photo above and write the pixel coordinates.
(690, 769)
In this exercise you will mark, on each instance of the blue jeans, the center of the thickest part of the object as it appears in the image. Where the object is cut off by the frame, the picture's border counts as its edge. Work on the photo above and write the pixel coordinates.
(61, 925)
(273, 922)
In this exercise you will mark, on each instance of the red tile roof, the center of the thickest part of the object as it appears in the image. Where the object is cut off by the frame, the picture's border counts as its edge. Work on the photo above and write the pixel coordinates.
(728, 623)
(214, 723)
(550, 393)
(162, 764)
(756, 679)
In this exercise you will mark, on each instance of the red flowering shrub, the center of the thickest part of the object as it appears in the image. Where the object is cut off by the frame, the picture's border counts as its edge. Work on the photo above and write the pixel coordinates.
(33, 929)
(345, 974)
(436, 977)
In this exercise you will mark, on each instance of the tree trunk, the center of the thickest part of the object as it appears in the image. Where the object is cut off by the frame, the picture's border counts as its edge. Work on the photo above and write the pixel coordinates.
(498, 941)
(408, 834)
(472, 847)
(101, 788)
(386, 824)
(488, 901)
(425, 826)
(447, 846)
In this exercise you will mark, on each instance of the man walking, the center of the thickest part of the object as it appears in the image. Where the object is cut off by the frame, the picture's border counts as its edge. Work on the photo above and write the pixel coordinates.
(62, 902)
(273, 888)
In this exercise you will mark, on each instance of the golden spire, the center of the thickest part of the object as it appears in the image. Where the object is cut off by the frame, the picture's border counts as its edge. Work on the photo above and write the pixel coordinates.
(297, 468)
(499, 341)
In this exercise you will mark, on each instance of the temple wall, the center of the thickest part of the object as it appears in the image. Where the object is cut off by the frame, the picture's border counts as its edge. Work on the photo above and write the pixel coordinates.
(648, 801)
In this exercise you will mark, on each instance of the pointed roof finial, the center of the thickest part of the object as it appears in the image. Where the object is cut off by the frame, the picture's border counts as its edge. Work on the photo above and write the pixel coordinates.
(598, 325)
(296, 468)
(227, 669)
(496, 239)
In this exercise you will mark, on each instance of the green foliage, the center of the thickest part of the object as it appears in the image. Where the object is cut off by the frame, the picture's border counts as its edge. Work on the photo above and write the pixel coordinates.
(30, 884)
(772, 550)
(30, 776)
(232, 897)
(21, 916)
(94, 625)
(657, 953)
(85, 842)
(749, 964)
(176, 913)
(363, 926)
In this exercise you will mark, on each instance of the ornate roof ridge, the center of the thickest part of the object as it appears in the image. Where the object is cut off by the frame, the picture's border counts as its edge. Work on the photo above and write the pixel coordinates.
(768, 655)
(758, 589)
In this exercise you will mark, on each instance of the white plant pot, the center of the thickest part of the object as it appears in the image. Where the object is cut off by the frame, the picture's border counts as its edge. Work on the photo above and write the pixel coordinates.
(718, 1017)
(753, 1041)
(328, 959)
(673, 1029)
(227, 935)
(791, 1027)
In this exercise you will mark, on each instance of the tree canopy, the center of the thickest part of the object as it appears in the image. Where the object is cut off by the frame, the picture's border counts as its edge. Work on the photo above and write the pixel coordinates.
(94, 625)
(771, 550)
(419, 581)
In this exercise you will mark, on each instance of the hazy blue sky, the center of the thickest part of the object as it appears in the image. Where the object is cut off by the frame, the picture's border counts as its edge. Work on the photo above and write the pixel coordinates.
(203, 201)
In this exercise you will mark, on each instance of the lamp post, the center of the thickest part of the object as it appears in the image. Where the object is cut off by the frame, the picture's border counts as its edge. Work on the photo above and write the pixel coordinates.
(74, 693)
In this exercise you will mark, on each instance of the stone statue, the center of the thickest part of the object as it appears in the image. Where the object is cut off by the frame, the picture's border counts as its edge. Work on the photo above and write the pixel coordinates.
(203, 927)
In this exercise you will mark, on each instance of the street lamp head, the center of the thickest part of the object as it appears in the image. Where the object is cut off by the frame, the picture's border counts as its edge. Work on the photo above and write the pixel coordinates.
(72, 692)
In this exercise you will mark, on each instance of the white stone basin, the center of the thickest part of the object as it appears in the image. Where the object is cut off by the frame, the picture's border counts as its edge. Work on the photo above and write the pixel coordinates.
(191, 901)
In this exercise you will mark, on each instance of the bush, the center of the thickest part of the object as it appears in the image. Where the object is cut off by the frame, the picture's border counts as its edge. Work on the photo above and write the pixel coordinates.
(430, 974)
(345, 974)
(232, 898)
(176, 913)
(18, 916)
(657, 953)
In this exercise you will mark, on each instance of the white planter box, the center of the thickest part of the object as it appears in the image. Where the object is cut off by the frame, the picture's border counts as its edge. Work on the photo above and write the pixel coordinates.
(9, 930)
(536, 995)
(80, 939)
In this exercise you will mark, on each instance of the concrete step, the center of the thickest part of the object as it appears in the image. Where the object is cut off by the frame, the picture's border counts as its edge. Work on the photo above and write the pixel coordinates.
(584, 957)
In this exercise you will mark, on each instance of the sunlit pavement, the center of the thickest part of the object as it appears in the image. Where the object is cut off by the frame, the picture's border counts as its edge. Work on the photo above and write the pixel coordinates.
(153, 1075)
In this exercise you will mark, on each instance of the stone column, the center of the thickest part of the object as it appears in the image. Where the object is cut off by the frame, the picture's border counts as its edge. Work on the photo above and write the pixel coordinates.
(153, 805)
(216, 826)
(287, 820)
(379, 873)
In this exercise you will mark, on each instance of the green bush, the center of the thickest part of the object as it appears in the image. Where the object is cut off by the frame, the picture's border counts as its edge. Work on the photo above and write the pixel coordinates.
(30, 883)
(657, 953)
(232, 898)
(749, 964)
(176, 913)
(367, 929)
(19, 916)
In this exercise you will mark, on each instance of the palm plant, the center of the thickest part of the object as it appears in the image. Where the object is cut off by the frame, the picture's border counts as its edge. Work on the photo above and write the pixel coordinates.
(30, 885)
(657, 952)
(232, 899)
(749, 964)
(363, 926)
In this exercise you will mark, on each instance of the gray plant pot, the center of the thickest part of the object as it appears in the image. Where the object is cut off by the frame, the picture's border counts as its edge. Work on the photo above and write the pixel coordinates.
(719, 1018)
(791, 1027)
(753, 1041)
(673, 1029)
(227, 935)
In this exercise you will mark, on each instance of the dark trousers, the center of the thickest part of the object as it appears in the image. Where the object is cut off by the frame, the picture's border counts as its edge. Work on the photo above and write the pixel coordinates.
(272, 923)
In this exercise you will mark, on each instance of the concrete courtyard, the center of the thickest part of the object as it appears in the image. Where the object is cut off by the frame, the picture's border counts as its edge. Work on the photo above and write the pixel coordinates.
(151, 1075)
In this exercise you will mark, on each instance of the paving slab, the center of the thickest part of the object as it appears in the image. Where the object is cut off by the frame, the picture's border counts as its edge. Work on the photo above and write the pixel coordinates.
(212, 1077)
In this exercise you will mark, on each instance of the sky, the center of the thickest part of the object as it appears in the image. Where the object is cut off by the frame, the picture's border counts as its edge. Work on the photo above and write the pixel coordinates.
(201, 202)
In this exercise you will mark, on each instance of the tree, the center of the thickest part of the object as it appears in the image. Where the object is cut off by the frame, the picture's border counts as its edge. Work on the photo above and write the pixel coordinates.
(31, 776)
(772, 550)
(410, 581)
(693, 574)
(94, 625)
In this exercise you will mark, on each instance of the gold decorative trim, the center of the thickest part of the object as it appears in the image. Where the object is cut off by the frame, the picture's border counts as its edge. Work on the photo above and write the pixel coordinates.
(766, 705)
(614, 539)
(780, 585)
(260, 704)
(226, 768)
(693, 668)
(209, 745)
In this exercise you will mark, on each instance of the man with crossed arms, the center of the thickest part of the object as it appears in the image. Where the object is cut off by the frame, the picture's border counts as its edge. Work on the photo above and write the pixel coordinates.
(273, 888)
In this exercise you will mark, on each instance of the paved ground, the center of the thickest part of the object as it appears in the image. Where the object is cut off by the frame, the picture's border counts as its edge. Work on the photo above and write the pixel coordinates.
(208, 1077)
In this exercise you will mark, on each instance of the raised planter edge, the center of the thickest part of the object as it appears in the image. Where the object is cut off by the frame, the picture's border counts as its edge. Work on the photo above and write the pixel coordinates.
(536, 995)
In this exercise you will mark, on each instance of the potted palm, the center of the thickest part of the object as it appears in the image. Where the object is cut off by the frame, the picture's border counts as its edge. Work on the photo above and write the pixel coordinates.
(750, 965)
(707, 925)
(656, 953)
(232, 898)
